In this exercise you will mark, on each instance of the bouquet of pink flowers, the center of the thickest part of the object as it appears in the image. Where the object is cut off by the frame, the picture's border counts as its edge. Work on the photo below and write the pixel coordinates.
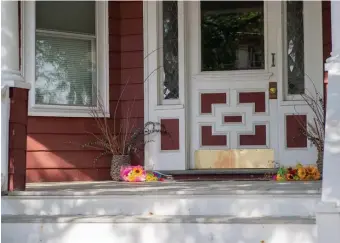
(132, 173)
(138, 174)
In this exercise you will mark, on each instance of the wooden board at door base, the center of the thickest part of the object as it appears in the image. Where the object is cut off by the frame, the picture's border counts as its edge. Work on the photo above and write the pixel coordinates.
(234, 159)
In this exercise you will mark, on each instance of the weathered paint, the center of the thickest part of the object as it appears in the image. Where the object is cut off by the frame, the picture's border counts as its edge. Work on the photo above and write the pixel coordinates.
(234, 159)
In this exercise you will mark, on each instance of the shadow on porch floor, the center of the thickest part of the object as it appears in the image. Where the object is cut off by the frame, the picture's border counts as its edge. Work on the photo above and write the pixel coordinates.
(173, 188)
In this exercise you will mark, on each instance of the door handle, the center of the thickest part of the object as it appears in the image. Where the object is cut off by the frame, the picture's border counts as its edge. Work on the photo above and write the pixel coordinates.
(273, 59)
(273, 90)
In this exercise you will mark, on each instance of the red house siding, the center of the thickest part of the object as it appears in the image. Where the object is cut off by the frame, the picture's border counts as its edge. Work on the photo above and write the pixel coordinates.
(50, 156)
(327, 38)
(17, 141)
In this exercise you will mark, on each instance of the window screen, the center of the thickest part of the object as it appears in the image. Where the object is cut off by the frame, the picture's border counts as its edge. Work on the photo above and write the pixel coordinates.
(65, 53)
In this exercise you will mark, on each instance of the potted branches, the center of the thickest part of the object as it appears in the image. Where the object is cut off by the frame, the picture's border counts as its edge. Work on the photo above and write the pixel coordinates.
(314, 130)
(120, 141)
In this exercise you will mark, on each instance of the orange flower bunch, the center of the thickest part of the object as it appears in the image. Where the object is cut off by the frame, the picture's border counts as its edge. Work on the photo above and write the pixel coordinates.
(299, 173)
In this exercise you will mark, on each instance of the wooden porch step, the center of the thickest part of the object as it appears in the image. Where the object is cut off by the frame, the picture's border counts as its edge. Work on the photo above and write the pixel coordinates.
(246, 199)
(155, 229)
(156, 219)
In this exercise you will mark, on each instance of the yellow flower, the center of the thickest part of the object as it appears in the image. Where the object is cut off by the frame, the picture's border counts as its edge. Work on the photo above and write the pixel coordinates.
(309, 170)
(314, 169)
(280, 178)
(302, 173)
(131, 177)
(137, 170)
(151, 177)
(316, 175)
(299, 165)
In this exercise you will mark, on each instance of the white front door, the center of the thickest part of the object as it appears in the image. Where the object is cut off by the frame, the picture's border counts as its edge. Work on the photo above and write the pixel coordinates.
(247, 64)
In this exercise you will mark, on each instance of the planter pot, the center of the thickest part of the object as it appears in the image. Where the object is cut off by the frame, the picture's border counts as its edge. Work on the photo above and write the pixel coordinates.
(319, 162)
(116, 163)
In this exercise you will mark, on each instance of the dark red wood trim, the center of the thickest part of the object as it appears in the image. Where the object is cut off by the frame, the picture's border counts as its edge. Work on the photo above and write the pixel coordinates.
(258, 139)
(17, 139)
(259, 98)
(295, 139)
(212, 140)
(171, 141)
(232, 119)
(208, 99)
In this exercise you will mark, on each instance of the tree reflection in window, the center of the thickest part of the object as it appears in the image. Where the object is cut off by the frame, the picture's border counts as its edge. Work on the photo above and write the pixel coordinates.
(170, 50)
(232, 35)
(64, 71)
(295, 47)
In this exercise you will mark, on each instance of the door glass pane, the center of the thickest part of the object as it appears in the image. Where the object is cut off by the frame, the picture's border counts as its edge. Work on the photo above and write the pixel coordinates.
(295, 47)
(232, 35)
(170, 50)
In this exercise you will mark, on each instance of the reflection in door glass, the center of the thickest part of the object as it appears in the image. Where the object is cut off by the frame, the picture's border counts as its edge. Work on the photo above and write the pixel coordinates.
(232, 35)
(170, 50)
(295, 47)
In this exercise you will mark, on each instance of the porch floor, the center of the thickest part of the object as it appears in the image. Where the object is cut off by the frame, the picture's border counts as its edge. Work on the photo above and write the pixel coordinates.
(172, 188)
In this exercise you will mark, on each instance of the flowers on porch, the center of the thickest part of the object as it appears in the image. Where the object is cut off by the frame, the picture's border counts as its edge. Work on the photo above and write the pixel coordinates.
(132, 173)
(298, 173)
(138, 174)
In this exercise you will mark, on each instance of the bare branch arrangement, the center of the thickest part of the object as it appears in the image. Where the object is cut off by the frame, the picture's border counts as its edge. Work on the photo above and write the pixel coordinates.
(314, 130)
(120, 138)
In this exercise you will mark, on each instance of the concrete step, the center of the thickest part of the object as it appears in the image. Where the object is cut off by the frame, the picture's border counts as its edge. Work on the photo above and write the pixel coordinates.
(241, 199)
(236, 205)
(153, 228)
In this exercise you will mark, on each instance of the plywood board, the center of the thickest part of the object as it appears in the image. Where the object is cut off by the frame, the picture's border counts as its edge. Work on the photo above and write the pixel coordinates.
(234, 159)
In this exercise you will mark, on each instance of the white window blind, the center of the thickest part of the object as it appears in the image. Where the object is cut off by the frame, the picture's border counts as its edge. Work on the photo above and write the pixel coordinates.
(65, 53)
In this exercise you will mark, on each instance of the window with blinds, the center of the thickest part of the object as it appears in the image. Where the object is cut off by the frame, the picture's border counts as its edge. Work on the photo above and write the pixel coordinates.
(65, 48)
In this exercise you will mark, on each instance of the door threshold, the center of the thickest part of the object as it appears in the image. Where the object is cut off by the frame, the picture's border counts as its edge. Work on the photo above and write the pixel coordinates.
(219, 171)
(222, 174)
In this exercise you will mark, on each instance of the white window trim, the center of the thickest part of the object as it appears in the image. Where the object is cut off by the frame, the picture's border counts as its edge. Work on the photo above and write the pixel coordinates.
(28, 33)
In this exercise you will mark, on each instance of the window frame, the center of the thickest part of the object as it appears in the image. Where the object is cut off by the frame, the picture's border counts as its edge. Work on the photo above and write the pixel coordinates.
(28, 57)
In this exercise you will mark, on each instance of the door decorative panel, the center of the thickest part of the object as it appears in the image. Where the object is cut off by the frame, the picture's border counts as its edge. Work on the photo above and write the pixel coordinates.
(232, 127)
(238, 115)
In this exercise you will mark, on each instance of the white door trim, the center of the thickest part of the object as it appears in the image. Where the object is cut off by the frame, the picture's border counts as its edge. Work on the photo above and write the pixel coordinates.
(155, 108)
(188, 23)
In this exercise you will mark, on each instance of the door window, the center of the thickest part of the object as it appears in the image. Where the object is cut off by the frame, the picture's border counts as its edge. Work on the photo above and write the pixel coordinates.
(232, 35)
(294, 47)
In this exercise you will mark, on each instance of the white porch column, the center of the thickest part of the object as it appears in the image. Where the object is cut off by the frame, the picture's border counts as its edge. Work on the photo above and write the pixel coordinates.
(10, 75)
(328, 211)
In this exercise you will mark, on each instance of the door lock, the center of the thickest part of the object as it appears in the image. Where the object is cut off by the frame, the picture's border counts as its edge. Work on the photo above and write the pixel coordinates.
(273, 90)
